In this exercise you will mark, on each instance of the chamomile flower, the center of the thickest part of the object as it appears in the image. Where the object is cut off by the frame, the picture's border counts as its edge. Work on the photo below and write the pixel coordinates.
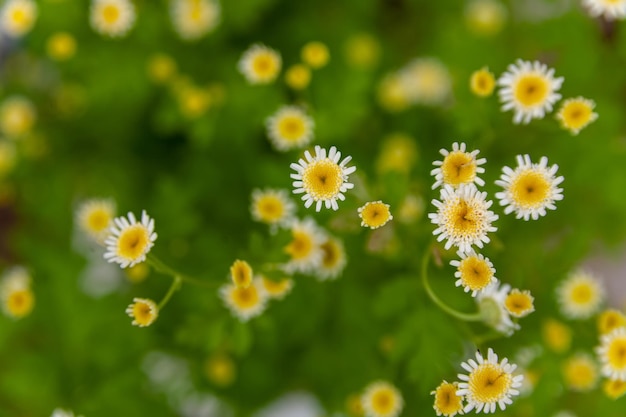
(580, 295)
(491, 304)
(485, 17)
(305, 248)
(458, 167)
(447, 402)
(16, 295)
(398, 153)
(192, 19)
(321, 178)
(161, 68)
(382, 399)
(556, 335)
(289, 128)
(463, 217)
(260, 64)
(519, 303)
(241, 273)
(143, 311)
(610, 9)
(482, 82)
(333, 261)
(112, 18)
(530, 189)
(17, 116)
(17, 17)
(580, 372)
(426, 81)
(245, 303)
(576, 113)
(614, 388)
(298, 76)
(220, 369)
(488, 383)
(272, 207)
(94, 217)
(374, 214)
(130, 241)
(529, 89)
(61, 46)
(277, 289)
(612, 354)
(474, 272)
(609, 320)
(315, 54)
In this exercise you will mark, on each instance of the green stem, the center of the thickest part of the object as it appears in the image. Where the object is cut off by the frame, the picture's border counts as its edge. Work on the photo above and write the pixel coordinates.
(437, 300)
(176, 283)
(161, 267)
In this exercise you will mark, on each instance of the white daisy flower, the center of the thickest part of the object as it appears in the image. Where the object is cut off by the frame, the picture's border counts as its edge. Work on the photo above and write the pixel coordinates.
(322, 179)
(245, 303)
(426, 81)
(382, 399)
(333, 261)
(447, 402)
(305, 248)
(529, 89)
(463, 217)
(130, 241)
(492, 305)
(143, 311)
(612, 354)
(576, 113)
(192, 19)
(272, 207)
(458, 167)
(530, 189)
(260, 64)
(610, 9)
(17, 17)
(94, 217)
(289, 128)
(488, 383)
(474, 272)
(112, 18)
(580, 295)
(17, 116)
(277, 289)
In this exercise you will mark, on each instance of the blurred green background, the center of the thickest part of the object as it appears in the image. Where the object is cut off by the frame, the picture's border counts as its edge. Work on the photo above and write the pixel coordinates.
(104, 128)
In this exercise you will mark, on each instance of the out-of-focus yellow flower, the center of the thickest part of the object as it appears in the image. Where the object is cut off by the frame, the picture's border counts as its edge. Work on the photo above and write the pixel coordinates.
(137, 273)
(485, 17)
(482, 82)
(298, 77)
(398, 153)
(556, 335)
(220, 369)
(315, 54)
(61, 46)
(362, 50)
(161, 68)
(391, 94)
(17, 116)
(609, 320)
(193, 101)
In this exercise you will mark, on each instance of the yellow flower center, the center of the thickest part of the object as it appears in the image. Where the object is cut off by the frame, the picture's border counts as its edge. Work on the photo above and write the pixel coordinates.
(270, 208)
(482, 83)
(576, 114)
(20, 302)
(132, 242)
(531, 90)
(110, 13)
(143, 313)
(301, 246)
(220, 370)
(264, 65)
(98, 220)
(322, 179)
(464, 219)
(276, 287)
(291, 128)
(245, 298)
(530, 189)
(446, 400)
(489, 383)
(458, 168)
(557, 336)
(580, 373)
(616, 353)
(475, 273)
(375, 214)
(331, 254)
(19, 17)
(609, 320)
(298, 76)
(241, 274)
(614, 388)
(518, 303)
(383, 401)
(582, 294)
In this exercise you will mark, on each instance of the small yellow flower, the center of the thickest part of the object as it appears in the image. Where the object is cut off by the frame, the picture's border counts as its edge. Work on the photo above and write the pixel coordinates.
(474, 272)
(556, 335)
(333, 259)
(244, 303)
(482, 82)
(519, 303)
(17, 17)
(289, 128)
(17, 116)
(241, 274)
(315, 54)
(112, 18)
(411, 209)
(614, 388)
(143, 312)
(398, 153)
(272, 207)
(61, 46)
(391, 94)
(580, 372)
(305, 249)
(193, 101)
(161, 68)
(277, 289)
(609, 320)
(298, 77)
(612, 354)
(18, 302)
(580, 295)
(220, 370)
(485, 17)
(192, 19)
(576, 113)
(458, 167)
(447, 403)
(374, 214)
(362, 50)
(130, 241)
(138, 273)
(94, 217)
(381, 399)
(260, 64)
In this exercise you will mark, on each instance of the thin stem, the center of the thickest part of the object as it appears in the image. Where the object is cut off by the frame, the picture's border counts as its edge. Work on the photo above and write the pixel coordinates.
(176, 283)
(437, 300)
(161, 267)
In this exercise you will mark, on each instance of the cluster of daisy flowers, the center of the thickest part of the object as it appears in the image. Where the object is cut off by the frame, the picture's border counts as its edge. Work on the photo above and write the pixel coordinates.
(531, 90)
